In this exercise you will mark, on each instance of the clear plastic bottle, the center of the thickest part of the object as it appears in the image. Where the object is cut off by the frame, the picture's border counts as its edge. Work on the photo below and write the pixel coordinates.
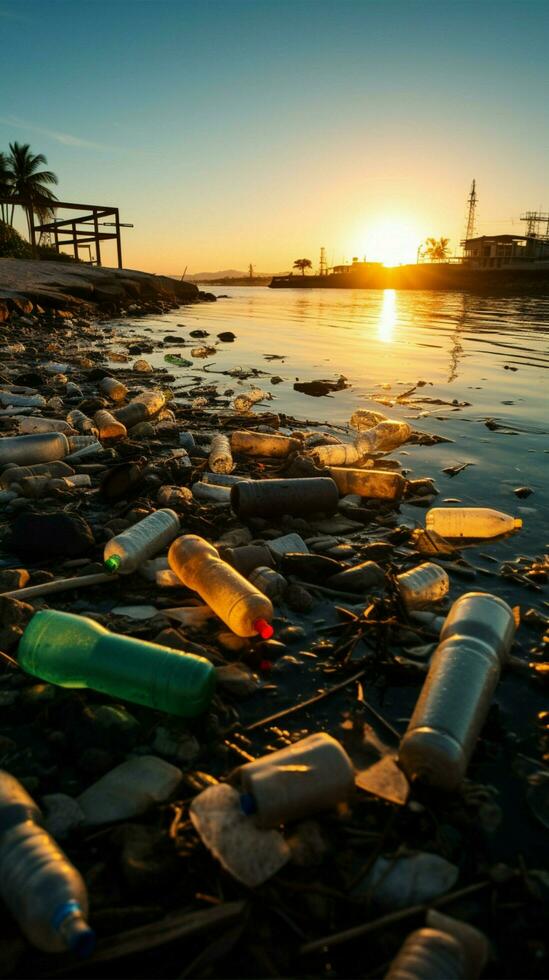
(30, 424)
(420, 587)
(211, 493)
(12, 399)
(343, 455)
(232, 597)
(43, 890)
(39, 448)
(384, 436)
(373, 484)
(243, 403)
(14, 474)
(220, 459)
(474, 644)
(127, 551)
(364, 419)
(141, 408)
(470, 522)
(310, 775)
(76, 652)
(109, 428)
(263, 444)
(113, 389)
(81, 422)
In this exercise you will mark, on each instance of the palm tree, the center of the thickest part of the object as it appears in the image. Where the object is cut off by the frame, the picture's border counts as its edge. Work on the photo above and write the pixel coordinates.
(5, 185)
(30, 185)
(303, 264)
(436, 249)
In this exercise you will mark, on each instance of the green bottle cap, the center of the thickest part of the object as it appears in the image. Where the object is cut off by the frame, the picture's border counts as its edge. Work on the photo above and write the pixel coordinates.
(113, 563)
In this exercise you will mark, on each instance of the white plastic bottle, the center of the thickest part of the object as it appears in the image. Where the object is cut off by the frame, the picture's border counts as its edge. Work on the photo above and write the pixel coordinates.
(370, 483)
(127, 551)
(262, 444)
(43, 890)
(142, 407)
(423, 585)
(113, 389)
(39, 448)
(220, 459)
(243, 403)
(470, 522)
(384, 436)
(30, 424)
(451, 709)
(343, 455)
(233, 598)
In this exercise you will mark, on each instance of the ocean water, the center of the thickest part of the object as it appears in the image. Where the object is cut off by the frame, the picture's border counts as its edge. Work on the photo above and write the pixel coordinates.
(491, 353)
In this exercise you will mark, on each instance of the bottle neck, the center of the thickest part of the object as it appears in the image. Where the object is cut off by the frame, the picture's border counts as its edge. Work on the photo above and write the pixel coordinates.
(69, 922)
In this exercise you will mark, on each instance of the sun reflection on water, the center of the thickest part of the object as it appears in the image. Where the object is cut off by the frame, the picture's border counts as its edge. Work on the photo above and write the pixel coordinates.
(387, 316)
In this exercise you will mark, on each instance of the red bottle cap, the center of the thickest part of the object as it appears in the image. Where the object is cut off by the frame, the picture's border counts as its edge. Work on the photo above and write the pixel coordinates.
(264, 628)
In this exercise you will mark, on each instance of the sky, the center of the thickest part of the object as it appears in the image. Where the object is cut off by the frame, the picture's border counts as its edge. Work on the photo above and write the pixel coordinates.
(257, 131)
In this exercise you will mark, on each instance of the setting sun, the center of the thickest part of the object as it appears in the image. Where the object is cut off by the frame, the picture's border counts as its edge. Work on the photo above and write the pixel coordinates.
(392, 241)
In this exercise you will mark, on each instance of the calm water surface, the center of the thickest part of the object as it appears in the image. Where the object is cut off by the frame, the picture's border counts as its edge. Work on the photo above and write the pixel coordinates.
(490, 352)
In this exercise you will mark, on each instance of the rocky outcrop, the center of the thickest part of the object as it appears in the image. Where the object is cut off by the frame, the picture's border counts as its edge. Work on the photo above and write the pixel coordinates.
(66, 285)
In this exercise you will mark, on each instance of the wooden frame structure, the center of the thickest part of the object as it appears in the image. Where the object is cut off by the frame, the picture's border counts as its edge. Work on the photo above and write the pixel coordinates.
(67, 231)
(80, 230)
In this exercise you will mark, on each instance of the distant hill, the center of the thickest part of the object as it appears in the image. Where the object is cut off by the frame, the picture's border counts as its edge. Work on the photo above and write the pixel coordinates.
(224, 274)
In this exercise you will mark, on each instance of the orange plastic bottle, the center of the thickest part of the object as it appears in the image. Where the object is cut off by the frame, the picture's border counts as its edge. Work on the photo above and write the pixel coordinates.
(244, 609)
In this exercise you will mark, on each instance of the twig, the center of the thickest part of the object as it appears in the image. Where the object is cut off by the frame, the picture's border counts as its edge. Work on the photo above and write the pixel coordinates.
(305, 704)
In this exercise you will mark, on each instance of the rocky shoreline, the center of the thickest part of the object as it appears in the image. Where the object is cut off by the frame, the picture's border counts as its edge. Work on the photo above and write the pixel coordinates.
(347, 658)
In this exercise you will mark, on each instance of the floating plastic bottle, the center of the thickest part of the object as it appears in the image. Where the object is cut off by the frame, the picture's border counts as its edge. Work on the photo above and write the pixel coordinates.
(476, 638)
(233, 598)
(262, 444)
(127, 551)
(220, 459)
(43, 890)
(310, 775)
(243, 403)
(141, 408)
(270, 498)
(268, 581)
(470, 522)
(109, 428)
(423, 585)
(39, 448)
(14, 474)
(335, 455)
(30, 424)
(364, 419)
(76, 652)
(384, 436)
(81, 422)
(113, 389)
(373, 484)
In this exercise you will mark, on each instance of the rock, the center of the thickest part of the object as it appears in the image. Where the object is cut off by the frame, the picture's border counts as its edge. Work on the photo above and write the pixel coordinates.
(14, 616)
(523, 491)
(176, 743)
(310, 568)
(111, 726)
(292, 634)
(199, 333)
(319, 388)
(129, 790)
(58, 535)
(143, 367)
(13, 578)
(62, 814)
(409, 879)
(147, 857)
(237, 679)
(359, 579)
(227, 336)
(299, 599)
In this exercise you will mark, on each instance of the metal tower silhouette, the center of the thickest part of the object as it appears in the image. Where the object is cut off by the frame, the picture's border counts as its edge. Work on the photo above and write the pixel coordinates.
(472, 202)
(323, 267)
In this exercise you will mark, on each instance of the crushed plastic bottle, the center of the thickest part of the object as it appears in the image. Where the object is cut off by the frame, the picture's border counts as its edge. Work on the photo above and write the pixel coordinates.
(30, 424)
(81, 422)
(247, 557)
(268, 498)
(263, 444)
(113, 389)
(364, 419)
(220, 459)
(108, 427)
(233, 598)
(243, 403)
(470, 522)
(141, 408)
(76, 652)
(474, 644)
(172, 496)
(373, 484)
(14, 474)
(42, 889)
(127, 551)
(343, 455)
(268, 581)
(383, 436)
(423, 585)
(310, 775)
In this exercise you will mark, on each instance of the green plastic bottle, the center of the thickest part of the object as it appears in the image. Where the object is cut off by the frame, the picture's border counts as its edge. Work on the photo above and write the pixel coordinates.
(74, 651)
